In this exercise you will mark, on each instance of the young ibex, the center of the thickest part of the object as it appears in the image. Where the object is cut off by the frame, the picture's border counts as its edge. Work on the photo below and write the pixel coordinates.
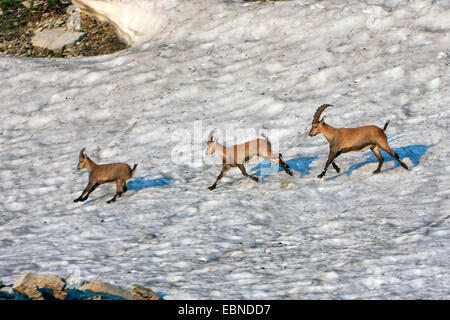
(237, 155)
(352, 139)
(104, 173)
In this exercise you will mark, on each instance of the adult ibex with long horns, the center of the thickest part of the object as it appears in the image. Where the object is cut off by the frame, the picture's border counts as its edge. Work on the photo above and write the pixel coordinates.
(344, 140)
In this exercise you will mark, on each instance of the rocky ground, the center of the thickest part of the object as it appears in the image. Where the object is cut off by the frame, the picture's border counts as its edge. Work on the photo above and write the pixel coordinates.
(21, 20)
(51, 287)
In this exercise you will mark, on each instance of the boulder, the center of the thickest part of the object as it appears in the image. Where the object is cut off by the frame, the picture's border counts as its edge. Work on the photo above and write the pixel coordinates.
(143, 293)
(105, 288)
(51, 287)
(74, 20)
(8, 290)
(26, 4)
(56, 39)
(41, 287)
(7, 293)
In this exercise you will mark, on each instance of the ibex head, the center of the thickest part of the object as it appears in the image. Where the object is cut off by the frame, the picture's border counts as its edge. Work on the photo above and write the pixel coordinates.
(316, 123)
(82, 159)
(211, 143)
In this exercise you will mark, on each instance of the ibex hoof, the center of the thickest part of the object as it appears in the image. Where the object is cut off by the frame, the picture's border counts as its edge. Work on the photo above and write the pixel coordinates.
(376, 171)
(211, 188)
(320, 176)
(289, 172)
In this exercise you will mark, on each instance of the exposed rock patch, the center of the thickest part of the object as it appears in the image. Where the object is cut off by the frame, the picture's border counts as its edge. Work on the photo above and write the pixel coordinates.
(100, 287)
(57, 38)
(52, 287)
(41, 287)
(23, 23)
(143, 293)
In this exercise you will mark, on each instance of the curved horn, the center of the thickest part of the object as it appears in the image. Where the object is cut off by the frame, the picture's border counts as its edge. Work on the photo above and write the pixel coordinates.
(319, 112)
(211, 135)
(82, 153)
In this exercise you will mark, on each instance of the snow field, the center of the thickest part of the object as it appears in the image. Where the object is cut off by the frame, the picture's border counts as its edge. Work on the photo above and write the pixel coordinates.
(240, 67)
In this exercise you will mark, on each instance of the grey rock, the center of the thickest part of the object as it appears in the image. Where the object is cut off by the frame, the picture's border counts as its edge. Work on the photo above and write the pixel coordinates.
(56, 38)
(38, 3)
(74, 20)
(26, 4)
(72, 9)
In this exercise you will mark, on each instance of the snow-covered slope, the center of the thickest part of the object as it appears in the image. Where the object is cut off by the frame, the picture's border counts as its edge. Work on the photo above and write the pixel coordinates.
(244, 68)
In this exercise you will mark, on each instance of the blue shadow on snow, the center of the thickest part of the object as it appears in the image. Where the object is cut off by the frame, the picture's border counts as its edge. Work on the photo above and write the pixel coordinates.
(137, 185)
(413, 152)
(302, 165)
(141, 183)
(266, 168)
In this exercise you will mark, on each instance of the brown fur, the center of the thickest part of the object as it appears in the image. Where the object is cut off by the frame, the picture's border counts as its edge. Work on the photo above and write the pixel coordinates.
(344, 140)
(117, 173)
(238, 155)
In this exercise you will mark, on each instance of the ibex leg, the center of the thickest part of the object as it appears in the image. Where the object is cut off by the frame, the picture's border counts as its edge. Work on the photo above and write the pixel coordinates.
(86, 192)
(244, 172)
(225, 169)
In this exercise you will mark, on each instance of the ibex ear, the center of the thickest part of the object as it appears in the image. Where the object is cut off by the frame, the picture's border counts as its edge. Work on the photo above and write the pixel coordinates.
(322, 120)
(82, 155)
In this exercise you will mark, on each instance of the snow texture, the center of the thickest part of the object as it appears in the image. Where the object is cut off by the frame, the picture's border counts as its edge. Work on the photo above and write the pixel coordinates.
(244, 68)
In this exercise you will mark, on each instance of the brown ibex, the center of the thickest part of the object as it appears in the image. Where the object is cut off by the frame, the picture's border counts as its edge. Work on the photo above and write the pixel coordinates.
(99, 174)
(344, 140)
(237, 155)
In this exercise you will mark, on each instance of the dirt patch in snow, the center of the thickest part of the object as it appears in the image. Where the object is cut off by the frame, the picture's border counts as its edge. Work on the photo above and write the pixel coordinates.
(20, 20)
